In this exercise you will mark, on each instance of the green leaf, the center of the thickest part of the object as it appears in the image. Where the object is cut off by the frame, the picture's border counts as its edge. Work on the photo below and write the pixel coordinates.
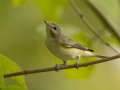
(51, 9)
(17, 3)
(14, 83)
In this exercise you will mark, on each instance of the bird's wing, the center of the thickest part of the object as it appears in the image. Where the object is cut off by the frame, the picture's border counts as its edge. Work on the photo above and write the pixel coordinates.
(66, 42)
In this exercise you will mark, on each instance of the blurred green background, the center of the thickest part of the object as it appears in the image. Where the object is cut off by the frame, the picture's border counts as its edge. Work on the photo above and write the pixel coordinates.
(22, 36)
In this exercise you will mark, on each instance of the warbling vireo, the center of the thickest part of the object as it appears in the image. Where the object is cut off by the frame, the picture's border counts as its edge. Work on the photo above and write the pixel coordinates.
(63, 47)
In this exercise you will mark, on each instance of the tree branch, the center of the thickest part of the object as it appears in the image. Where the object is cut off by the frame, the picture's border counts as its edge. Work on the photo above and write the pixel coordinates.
(91, 28)
(113, 30)
(61, 67)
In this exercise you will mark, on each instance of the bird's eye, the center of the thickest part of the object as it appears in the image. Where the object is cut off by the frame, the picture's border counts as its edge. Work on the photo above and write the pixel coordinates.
(55, 28)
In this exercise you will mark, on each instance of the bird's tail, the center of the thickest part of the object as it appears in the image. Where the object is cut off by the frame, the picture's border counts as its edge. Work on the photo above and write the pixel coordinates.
(90, 50)
(100, 56)
(90, 54)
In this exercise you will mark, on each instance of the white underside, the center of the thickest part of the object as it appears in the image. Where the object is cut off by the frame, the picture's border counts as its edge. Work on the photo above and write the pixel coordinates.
(66, 53)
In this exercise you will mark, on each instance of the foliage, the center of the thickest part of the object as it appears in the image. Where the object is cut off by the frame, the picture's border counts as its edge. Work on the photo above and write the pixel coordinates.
(21, 41)
(8, 66)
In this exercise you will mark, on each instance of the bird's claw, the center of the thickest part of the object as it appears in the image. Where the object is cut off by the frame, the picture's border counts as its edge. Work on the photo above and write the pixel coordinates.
(77, 66)
(58, 66)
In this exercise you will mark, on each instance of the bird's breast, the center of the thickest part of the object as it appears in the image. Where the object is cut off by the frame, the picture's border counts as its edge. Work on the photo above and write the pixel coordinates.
(62, 52)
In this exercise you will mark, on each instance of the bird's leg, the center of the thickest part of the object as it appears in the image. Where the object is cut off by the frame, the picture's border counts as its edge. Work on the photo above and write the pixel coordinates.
(64, 62)
(57, 66)
(77, 62)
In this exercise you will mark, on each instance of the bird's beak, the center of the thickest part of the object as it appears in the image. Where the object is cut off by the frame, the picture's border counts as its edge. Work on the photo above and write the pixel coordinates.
(46, 22)
(48, 25)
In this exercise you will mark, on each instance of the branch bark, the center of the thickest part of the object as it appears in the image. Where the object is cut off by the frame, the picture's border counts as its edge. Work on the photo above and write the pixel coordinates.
(61, 67)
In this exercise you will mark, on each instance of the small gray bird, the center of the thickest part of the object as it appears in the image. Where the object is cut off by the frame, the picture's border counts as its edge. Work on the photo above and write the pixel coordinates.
(63, 47)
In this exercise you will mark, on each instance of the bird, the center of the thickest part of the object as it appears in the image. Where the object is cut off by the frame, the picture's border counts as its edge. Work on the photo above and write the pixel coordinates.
(63, 47)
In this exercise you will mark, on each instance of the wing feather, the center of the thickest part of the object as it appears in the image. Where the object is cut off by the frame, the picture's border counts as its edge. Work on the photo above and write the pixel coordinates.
(66, 42)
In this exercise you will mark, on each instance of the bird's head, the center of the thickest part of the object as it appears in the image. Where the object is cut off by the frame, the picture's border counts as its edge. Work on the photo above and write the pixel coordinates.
(52, 29)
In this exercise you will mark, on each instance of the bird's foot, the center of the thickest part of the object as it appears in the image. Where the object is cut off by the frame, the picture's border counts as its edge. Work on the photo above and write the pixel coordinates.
(58, 66)
(77, 65)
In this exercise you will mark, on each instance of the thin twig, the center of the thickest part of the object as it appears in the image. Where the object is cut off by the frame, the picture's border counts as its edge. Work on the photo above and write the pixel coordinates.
(91, 28)
(61, 67)
(112, 29)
